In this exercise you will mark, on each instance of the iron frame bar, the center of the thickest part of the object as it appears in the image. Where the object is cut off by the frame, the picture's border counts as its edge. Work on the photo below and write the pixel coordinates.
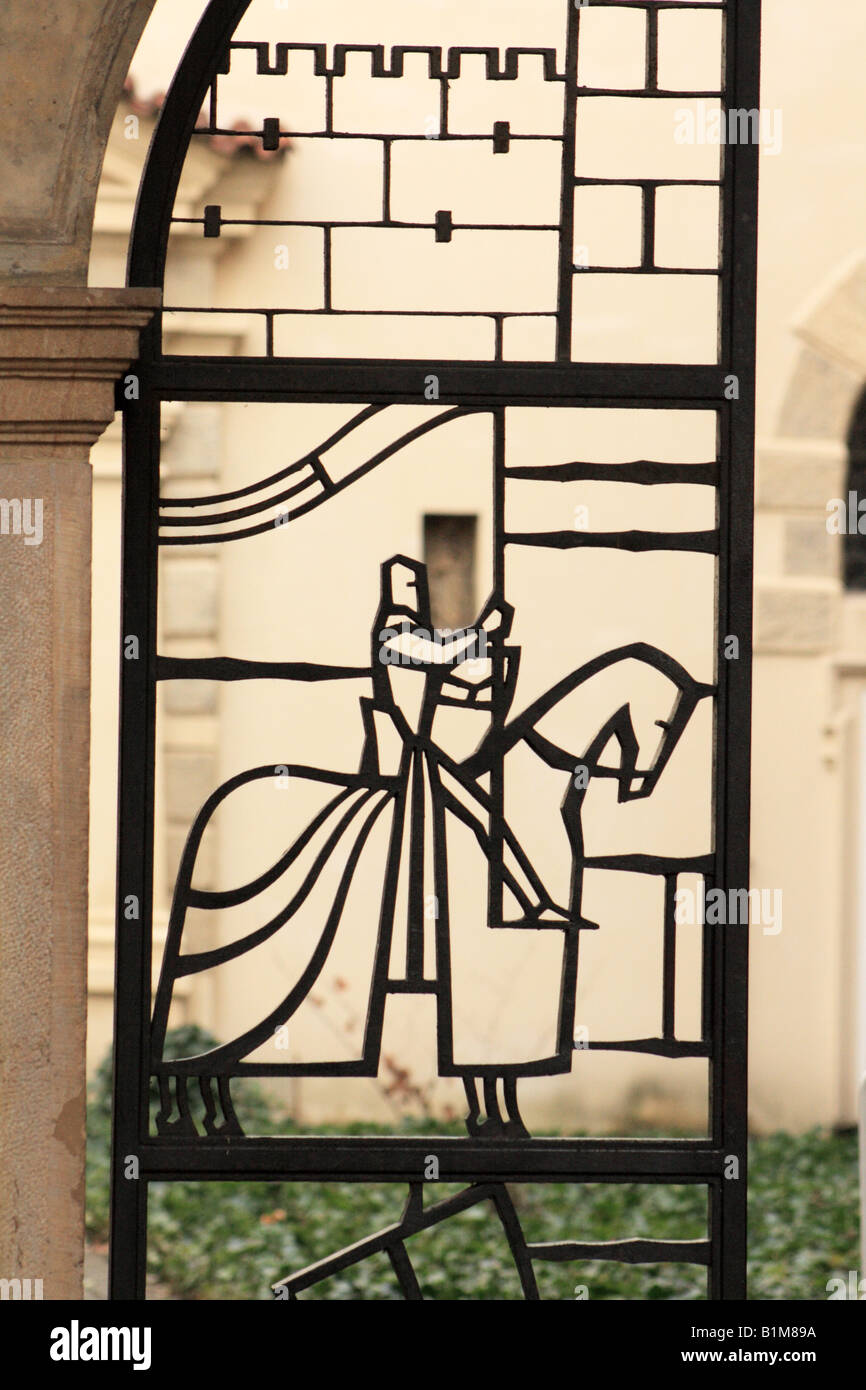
(333, 1158)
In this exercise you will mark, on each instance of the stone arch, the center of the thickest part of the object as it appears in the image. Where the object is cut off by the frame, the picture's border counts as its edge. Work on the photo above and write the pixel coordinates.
(66, 65)
(831, 367)
(804, 464)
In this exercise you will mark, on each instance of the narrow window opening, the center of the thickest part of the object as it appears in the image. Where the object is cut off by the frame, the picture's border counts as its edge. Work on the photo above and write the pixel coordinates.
(449, 553)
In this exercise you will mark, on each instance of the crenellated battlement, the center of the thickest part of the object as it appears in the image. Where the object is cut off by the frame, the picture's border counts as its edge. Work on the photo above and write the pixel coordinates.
(443, 64)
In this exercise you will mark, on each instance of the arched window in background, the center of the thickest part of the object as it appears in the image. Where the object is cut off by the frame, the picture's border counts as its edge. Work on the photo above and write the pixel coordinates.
(854, 544)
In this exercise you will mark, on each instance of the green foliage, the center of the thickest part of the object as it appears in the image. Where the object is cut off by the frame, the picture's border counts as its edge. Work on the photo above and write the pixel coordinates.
(803, 1213)
(233, 1240)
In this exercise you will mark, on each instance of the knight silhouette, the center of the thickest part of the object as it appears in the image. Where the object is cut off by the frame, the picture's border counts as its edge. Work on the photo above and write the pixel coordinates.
(428, 798)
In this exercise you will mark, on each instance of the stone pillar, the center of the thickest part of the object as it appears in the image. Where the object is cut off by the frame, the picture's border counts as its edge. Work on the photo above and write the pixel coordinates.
(61, 351)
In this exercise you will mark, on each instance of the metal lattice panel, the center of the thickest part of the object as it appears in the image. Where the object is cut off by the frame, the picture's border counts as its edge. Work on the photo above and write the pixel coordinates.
(511, 316)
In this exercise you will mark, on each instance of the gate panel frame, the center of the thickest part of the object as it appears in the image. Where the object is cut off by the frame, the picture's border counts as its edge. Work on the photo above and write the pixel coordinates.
(400, 1159)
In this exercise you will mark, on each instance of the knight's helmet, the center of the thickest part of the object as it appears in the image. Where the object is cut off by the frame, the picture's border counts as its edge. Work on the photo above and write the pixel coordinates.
(404, 592)
(404, 608)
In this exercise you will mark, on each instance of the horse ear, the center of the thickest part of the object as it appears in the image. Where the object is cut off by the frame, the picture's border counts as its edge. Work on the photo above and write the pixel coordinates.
(622, 729)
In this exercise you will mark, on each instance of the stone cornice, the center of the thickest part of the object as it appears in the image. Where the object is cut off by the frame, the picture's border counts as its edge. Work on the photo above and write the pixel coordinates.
(72, 327)
(61, 351)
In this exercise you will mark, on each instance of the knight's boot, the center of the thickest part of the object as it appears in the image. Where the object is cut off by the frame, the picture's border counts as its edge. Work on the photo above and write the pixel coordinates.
(485, 1119)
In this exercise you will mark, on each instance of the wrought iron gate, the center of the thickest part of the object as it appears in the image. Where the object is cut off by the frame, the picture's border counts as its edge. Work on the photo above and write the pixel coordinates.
(530, 293)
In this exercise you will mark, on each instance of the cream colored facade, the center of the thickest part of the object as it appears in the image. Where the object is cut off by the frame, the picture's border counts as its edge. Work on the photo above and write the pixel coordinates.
(810, 637)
